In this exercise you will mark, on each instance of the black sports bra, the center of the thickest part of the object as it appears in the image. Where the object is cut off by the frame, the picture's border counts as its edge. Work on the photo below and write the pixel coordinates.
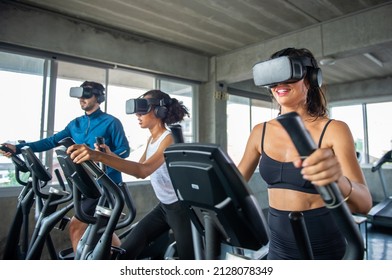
(284, 175)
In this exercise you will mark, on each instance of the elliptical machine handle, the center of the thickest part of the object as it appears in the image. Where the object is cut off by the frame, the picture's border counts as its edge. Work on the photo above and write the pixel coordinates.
(20, 165)
(177, 134)
(93, 167)
(387, 157)
(330, 194)
(101, 140)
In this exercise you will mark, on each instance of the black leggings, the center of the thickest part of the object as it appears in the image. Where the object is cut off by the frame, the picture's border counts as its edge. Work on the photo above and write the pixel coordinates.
(159, 220)
(326, 240)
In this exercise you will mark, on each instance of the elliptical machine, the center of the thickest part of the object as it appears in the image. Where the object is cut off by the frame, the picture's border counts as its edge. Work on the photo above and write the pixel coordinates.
(84, 178)
(224, 211)
(381, 213)
(47, 203)
(16, 244)
(89, 180)
(20, 244)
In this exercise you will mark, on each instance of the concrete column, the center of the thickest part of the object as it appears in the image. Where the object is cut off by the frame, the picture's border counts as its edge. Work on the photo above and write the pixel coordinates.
(212, 119)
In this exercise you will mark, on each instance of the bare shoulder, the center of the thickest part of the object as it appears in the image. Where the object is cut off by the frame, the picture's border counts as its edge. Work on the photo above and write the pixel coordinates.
(257, 131)
(254, 139)
(337, 126)
(258, 127)
(338, 132)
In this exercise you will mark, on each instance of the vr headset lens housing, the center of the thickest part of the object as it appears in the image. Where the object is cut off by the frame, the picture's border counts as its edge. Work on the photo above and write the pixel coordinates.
(142, 106)
(283, 69)
(137, 106)
(80, 92)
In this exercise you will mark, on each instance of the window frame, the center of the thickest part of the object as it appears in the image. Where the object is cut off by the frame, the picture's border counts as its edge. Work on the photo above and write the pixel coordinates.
(51, 73)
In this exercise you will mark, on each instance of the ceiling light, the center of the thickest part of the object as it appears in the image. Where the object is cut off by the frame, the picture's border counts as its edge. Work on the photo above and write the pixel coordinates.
(374, 59)
(327, 61)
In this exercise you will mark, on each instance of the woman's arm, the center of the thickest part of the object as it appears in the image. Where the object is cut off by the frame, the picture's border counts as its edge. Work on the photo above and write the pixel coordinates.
(80, 153)
(337, 162)
(252, 153)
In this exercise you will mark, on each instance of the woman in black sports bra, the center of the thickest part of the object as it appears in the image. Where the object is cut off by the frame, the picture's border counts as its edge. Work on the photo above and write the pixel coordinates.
(291, 180)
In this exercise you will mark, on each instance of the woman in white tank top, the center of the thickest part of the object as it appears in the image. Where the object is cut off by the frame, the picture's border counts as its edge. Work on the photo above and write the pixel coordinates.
(154, 110)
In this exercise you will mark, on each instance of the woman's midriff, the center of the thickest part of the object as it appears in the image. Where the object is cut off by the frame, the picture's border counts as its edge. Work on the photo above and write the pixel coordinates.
(290, 200)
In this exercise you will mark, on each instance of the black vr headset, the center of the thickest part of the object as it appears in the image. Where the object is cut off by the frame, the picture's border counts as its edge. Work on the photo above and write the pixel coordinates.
(87, 92)
(143, 106)
(286, 70)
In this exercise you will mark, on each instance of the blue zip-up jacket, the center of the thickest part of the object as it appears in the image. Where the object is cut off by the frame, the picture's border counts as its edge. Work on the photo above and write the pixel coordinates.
(84, 130)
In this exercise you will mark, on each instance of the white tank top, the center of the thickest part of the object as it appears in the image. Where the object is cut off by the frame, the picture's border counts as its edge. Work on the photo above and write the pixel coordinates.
(160, 179)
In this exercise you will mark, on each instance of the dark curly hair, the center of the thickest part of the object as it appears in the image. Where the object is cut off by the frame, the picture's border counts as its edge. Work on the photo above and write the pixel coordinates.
(315, 100)
(176, 111)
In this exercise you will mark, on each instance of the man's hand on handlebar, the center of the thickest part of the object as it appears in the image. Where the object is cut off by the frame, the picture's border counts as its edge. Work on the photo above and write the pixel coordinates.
(7, 149)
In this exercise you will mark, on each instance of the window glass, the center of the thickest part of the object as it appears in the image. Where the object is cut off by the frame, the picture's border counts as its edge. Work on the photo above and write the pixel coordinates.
(238, 126)
(379, 127)
(353, 117)
(137, 137)
(21, 80)
(262, 111)
(21, 97)
(72, 75)
(184, 93)
(242, 115)
(66, 107)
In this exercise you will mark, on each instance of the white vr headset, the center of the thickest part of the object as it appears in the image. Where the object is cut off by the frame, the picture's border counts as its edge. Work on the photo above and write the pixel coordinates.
(287, 70)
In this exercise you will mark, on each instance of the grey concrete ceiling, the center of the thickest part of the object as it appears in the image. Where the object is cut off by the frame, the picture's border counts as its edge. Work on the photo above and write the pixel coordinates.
(220, 27)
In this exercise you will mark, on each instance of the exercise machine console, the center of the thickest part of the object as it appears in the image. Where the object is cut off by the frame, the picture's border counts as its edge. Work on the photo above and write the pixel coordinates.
(222, 207)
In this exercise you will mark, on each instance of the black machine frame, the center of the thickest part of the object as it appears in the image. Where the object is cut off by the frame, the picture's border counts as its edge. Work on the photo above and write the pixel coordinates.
(222, 207)
(21, 244)
(381, 213)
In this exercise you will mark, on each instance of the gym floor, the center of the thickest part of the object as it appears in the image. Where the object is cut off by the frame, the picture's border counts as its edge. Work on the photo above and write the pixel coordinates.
(379, 242)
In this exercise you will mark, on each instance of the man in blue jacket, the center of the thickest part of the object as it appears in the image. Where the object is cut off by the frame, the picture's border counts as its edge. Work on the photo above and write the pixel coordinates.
(84, 130)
